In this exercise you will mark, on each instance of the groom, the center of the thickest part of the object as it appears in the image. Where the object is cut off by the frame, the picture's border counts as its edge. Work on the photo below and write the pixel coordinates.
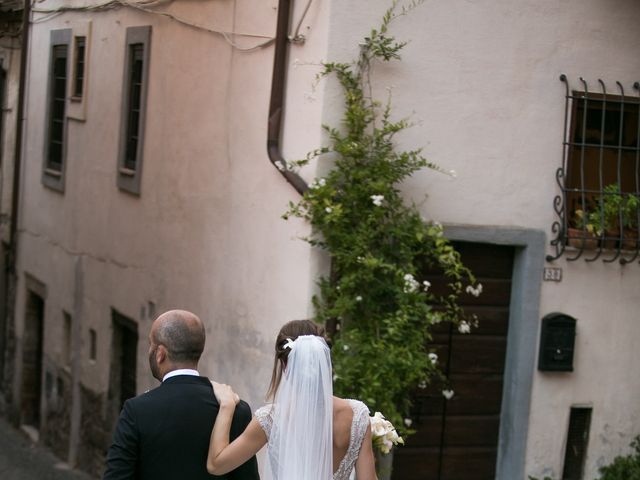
(164, 433)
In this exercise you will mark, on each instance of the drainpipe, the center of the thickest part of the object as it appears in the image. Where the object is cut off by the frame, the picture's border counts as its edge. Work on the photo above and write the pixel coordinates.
(11, 255)
(276, 104)
(17, 158)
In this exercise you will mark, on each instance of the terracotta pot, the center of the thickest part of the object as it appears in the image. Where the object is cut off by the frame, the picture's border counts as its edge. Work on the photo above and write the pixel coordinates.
(610, 239)
(582, 239)
(630, 240)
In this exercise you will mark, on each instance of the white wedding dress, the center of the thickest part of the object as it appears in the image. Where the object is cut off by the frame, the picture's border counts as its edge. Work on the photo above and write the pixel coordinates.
(359, 425)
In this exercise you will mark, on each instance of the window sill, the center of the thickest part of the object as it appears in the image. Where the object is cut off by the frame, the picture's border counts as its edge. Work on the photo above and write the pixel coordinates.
(53, 173)
(127, 172)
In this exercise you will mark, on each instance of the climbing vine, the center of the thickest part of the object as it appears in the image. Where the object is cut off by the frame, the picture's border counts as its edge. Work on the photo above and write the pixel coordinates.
(378, 244)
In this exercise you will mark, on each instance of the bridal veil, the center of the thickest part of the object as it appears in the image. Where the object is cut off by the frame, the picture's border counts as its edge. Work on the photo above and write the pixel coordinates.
(301, 441)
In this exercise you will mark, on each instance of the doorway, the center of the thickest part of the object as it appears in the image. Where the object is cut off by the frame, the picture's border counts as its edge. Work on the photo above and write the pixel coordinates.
(457, 439)
(31, 388)
(124, 349)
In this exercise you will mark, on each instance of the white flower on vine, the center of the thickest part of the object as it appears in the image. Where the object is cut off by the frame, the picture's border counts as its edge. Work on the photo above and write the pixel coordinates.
(448, 394)
(377, 200)
(408, 422)
(464, 327)
(345, 347)
(322, 182)
(358, 298)
(426, 284)
(410, 283)
(422, 385)
(433, 357)
(328, 209)
(474, 291)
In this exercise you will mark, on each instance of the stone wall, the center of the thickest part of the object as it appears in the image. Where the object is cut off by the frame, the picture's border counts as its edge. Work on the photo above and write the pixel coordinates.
(95, 432)
(57, 418)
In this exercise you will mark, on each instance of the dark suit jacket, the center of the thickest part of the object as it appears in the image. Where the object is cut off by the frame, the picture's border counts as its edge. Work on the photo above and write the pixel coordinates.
(164, 434)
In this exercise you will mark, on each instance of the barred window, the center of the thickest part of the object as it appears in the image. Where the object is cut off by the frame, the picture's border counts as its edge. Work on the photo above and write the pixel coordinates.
(599, 204)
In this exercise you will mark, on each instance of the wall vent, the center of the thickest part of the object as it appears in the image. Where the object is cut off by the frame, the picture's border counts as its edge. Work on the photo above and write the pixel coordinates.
(577, 441)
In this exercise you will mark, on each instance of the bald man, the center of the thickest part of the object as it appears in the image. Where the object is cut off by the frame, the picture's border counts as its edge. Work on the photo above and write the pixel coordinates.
(164, 433)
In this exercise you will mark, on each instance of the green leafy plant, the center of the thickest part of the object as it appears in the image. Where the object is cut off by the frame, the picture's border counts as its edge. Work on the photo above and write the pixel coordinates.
(624, 467)
(378, 245)
(609, 211)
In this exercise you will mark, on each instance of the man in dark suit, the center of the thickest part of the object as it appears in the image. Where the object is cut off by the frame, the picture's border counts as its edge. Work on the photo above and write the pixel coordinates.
(164, 433)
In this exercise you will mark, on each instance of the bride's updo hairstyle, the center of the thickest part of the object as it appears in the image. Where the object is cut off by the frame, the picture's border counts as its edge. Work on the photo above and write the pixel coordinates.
(290, 331)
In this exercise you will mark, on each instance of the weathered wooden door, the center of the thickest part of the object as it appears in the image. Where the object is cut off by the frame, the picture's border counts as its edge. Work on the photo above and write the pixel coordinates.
(457, 439)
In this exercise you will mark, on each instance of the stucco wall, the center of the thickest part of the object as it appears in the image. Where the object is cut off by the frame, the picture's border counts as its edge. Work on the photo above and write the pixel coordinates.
(482, 83)
(206, 232)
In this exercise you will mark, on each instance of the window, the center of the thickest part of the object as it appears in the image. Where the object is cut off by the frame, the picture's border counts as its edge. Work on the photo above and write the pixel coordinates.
(78, 70)
(66, 340)
(79, 62)
(133, 109)
(55, 148)
(599, 205)
(93, 345)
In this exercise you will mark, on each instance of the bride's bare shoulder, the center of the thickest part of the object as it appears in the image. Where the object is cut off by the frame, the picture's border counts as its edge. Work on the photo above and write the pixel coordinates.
(341, 405)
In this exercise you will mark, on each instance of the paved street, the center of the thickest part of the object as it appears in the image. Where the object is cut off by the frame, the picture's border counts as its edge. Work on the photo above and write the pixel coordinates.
(21, 460)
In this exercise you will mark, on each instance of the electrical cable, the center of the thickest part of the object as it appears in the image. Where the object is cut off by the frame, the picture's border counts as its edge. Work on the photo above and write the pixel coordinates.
(147, 7)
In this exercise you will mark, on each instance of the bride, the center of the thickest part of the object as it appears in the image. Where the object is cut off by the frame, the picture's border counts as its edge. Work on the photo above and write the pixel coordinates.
(309, 433)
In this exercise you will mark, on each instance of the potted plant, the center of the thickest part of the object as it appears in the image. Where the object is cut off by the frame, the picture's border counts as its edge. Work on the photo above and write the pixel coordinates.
(630, 213)
(583, 234)
(610, 218)
(617, 214)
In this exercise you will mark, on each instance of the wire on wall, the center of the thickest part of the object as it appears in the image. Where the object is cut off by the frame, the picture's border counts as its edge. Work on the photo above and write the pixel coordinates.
(148, 6)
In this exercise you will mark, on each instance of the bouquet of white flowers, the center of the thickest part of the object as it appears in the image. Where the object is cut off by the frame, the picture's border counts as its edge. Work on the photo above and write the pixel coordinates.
(383, 433)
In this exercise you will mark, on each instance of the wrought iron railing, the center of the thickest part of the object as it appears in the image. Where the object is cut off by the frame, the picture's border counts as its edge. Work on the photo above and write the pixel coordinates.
(598, 207)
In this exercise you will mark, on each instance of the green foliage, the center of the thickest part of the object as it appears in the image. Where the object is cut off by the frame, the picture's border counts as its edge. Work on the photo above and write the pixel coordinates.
(624, 467)
(378, 245)
(609, 211)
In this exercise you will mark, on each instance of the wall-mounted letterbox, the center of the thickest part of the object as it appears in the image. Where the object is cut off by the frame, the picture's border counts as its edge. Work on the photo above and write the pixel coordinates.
(557, 340)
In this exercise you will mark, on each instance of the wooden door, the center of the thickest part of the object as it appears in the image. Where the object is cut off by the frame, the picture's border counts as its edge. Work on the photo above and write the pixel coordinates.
(457, 439)
(32, 341)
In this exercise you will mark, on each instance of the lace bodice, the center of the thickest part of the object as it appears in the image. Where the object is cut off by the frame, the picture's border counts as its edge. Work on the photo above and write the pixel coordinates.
(359, 426)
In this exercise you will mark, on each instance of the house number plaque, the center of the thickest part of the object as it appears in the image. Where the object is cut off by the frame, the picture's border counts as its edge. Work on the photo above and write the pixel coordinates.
(552, 274)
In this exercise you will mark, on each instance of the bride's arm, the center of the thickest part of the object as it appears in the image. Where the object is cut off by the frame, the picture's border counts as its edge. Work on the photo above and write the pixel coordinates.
(224, 456)
(366, 464)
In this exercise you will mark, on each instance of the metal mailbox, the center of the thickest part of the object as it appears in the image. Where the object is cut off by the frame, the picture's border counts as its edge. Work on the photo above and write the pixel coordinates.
(557, 341)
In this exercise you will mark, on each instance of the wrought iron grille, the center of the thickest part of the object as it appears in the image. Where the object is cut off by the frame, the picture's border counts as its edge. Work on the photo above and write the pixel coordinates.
(598, 207)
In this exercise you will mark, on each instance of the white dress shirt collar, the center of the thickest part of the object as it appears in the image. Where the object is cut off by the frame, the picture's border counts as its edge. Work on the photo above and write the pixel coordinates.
(181, 371)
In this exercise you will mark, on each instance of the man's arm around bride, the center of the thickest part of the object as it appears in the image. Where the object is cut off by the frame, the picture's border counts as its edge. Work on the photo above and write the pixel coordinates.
(164, 433)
